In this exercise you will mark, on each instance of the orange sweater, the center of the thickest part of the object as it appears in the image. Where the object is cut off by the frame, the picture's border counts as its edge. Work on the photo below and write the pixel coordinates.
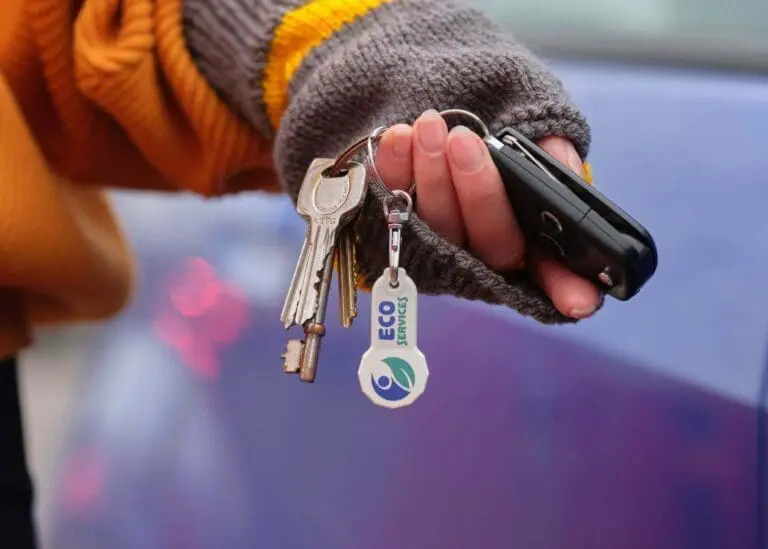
(98, 93)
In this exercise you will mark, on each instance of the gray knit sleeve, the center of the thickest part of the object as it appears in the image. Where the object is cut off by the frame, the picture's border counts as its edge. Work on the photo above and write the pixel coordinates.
(388, 66)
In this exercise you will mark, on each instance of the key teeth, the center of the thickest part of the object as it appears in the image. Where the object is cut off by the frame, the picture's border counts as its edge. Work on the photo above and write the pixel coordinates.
(318, 276)
(292, 356)
(308, 306)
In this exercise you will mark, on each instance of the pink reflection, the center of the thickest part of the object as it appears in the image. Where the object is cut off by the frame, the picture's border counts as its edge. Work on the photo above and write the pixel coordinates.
(83, 482)
(196, 289)
(201, 317)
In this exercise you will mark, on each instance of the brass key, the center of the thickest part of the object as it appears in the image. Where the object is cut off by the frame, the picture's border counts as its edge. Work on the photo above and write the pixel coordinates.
(347, 274)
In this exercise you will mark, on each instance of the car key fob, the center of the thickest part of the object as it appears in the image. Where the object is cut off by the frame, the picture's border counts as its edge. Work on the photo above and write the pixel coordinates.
(570, 220)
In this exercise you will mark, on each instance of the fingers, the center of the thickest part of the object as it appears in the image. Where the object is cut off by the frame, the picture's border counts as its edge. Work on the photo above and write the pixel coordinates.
(461, 196)
(394, 159)
(492, 230)
(572, 295)
(563, 150)
(418, 154)
(437, 202)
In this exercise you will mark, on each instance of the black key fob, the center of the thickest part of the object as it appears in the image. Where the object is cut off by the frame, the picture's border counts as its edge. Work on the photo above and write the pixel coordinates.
(570, 220)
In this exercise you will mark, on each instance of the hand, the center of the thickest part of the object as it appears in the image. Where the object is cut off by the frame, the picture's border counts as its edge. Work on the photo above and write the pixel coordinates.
(461, 197)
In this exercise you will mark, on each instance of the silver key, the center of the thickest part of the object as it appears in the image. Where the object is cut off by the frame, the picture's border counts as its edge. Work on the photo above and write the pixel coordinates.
(292, 356)
(328, 203)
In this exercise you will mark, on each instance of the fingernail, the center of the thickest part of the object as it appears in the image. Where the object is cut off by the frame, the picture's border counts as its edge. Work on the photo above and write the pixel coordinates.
(432, 132)
(401, 148)
(583, 312)
(467, 153)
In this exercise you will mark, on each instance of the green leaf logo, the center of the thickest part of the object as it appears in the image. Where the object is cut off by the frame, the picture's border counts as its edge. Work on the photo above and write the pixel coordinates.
(402, 372)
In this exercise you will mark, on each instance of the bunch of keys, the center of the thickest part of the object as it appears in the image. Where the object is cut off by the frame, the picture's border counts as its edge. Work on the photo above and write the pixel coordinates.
(393, 372)
(557, 211)
(329, 199)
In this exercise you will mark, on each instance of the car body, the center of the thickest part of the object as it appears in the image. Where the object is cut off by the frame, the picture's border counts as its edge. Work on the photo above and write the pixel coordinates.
(642, 427)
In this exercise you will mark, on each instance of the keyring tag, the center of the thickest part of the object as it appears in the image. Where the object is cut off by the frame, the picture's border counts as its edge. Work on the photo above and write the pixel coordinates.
(393, 371)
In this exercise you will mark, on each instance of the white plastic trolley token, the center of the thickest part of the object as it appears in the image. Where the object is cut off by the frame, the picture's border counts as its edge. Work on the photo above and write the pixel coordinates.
(393, 371)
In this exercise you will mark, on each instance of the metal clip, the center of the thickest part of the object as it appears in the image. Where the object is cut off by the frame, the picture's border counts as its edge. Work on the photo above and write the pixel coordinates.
(396, 219)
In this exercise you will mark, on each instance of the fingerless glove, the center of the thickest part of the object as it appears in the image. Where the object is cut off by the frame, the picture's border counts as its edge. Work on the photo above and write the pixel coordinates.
(315, 75)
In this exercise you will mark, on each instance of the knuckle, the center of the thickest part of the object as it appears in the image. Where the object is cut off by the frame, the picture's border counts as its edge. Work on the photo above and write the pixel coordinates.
(511, 259)
(509, 256)
(479, 196)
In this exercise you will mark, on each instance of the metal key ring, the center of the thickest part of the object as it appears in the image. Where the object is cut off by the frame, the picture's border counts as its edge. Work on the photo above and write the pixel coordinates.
(375, 136)
(378, 132)
(344, 158)
(368, 141)
(472, 116)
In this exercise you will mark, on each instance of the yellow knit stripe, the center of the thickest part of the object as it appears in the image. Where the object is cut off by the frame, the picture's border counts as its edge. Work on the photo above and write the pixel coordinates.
(588, 173)
(300, 31)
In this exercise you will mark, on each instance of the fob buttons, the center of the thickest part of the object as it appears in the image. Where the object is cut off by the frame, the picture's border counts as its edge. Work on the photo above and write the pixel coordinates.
(550, 245)
(551, 223)
(605, 277)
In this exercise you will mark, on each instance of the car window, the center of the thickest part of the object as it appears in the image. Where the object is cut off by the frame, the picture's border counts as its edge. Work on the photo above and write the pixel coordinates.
(702, 31)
